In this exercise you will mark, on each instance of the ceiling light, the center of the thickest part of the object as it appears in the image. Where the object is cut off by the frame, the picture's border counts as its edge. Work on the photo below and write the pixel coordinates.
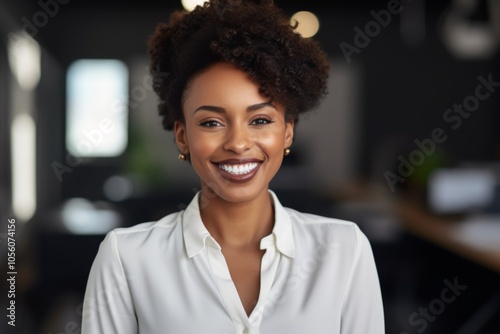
(308, 23)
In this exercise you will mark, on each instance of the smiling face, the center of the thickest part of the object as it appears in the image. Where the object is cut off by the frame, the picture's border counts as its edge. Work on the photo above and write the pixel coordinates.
(234, 135)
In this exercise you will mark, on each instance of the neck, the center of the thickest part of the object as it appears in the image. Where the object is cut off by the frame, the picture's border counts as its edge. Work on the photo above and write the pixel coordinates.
(237, 224)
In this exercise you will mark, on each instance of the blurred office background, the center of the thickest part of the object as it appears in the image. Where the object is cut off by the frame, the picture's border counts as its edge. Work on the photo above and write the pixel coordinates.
(406, 144)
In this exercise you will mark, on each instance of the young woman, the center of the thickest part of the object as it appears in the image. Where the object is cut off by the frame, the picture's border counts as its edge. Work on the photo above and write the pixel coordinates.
(232, 78)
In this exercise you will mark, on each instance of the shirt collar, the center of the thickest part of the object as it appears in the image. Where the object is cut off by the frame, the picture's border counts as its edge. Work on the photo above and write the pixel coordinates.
(196, 235)
(282, 229)
(194, 231)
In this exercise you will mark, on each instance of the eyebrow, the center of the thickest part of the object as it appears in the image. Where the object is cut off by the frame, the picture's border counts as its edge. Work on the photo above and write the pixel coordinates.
(251, 108)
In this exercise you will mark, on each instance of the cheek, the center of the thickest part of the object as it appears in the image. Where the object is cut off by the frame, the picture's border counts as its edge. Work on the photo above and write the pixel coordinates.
(272, 140)
(202, 146)
(200, 143)
(200, 151)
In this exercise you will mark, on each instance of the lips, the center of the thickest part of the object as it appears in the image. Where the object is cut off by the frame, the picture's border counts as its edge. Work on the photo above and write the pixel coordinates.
(238, 170)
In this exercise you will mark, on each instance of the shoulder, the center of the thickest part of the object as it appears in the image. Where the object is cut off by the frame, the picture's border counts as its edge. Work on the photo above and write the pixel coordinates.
(125, 249)
(312, 221)
(128, 237)
(314, 228)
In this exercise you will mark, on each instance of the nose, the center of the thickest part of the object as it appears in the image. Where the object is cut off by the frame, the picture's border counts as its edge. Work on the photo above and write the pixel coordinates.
(238, 139)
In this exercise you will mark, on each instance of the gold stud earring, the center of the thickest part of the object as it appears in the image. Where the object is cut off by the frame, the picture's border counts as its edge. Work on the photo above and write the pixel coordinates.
(182, 157)
(287, 151)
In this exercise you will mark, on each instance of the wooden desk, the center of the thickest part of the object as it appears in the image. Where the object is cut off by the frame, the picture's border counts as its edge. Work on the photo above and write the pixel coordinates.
(410, 212)
(443, 232)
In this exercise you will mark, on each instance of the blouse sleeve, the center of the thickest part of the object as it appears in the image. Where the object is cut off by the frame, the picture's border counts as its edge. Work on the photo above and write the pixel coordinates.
(362, 310)
(108, 306)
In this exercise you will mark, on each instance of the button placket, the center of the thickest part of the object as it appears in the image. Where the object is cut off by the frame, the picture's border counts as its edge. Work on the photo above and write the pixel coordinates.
(269, 267)
(244, 324)
(226, 287)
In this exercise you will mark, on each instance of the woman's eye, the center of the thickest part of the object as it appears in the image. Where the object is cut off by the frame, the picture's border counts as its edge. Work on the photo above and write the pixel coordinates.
(210, 123)
(261, 121)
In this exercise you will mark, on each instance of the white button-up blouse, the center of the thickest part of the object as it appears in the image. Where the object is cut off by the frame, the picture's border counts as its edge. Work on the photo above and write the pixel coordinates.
(318, 276)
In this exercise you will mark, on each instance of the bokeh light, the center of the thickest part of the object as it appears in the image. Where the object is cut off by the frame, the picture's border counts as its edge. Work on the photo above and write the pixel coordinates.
(308, 23)
(189, 5)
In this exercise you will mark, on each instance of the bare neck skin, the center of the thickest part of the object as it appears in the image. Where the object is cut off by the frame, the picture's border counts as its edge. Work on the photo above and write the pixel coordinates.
(237, 225)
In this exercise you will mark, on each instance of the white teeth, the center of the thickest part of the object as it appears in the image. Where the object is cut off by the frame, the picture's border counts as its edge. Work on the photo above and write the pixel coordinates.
(239, 169)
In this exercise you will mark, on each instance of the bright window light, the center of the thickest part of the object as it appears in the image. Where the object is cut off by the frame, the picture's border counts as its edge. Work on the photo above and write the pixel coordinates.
(453, 191)
(97, 108)
(23, 166)
(24, 59)
(80, 216)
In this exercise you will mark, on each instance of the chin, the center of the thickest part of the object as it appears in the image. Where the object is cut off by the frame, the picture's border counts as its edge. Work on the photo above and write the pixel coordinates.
(234, 192)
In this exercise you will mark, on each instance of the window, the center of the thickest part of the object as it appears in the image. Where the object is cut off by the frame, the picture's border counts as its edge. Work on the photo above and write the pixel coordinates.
(97, 108)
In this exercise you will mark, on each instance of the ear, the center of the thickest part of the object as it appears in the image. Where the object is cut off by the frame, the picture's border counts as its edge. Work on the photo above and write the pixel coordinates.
(181, 137)
(289, 128)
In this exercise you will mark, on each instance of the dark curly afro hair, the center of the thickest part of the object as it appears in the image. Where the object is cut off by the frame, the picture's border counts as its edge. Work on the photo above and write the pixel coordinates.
(256, 36)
